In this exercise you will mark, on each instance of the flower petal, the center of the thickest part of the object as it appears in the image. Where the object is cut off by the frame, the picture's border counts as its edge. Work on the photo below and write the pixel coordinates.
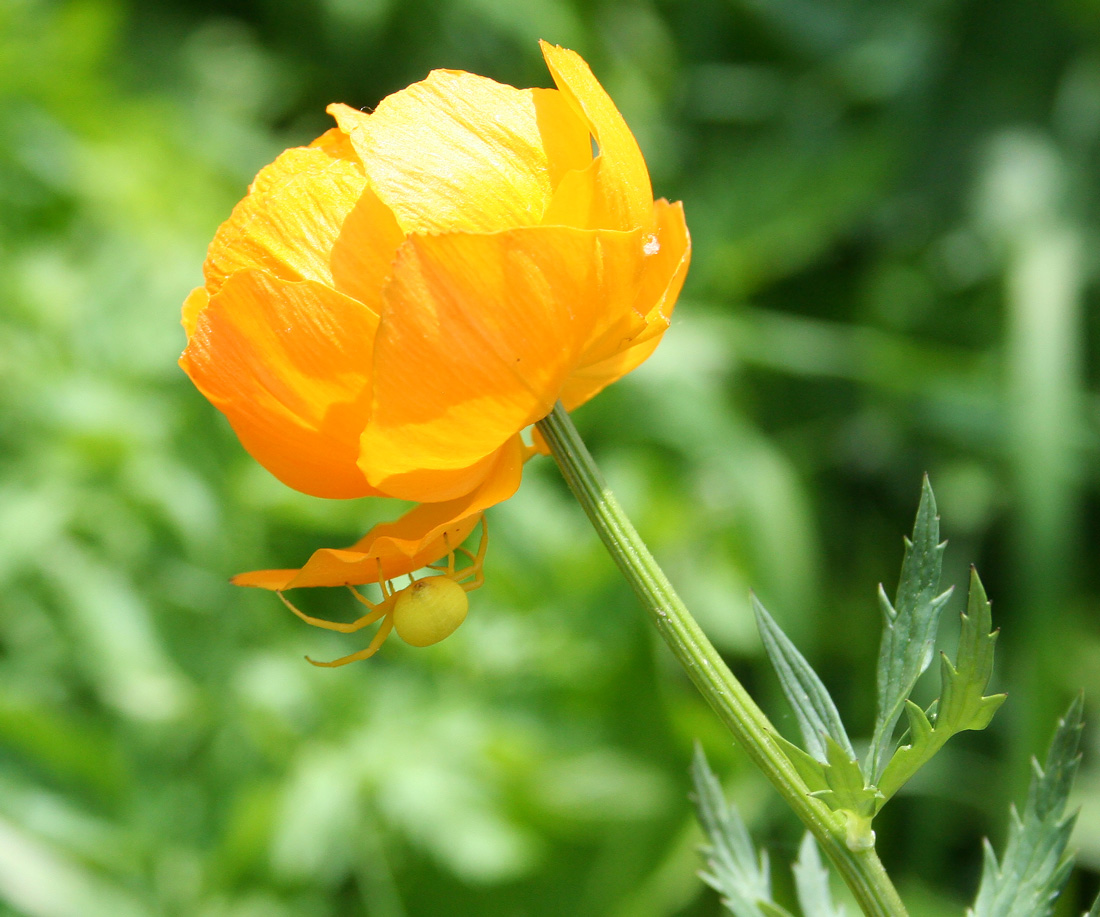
(362, 254)
(309, 216)
(565, 135)
(196, 301)
(622, 191)
(668, 253)
(429, 485)
(479, 333)
(575, 201)
(456, 152)
(289, 365)
(420, 537)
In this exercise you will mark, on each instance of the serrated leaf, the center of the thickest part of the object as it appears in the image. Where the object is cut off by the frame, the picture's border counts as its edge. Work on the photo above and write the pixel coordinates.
(962, 702)
(849, 793)
(735, 870)
(839, 784)
(909, 627)
(1035, 865)
(809, 768)
(811, 881)
(813, 707)
(962, 705)
(847, 785)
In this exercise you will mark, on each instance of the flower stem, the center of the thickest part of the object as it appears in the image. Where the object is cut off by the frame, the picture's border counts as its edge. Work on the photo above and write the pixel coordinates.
(861, 870)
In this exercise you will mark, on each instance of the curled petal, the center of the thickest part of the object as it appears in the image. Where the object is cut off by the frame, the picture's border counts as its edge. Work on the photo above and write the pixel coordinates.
(576, 201)
(564, 134)
(420, 537)
(455, 152)
(480, 332)
(622, 197)
(289, 364)
(668, 251)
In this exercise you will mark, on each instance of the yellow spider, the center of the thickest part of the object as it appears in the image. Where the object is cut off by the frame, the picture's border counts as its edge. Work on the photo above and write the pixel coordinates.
(424, 612)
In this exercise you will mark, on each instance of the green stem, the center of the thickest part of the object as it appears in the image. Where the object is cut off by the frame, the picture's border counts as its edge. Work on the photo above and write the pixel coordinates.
(861, 870)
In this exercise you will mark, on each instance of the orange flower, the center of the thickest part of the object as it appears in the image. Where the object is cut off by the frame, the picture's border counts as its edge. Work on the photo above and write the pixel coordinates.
(390, 306)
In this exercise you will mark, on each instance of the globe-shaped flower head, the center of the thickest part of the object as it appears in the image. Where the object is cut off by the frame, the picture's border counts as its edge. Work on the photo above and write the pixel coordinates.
(390, 306)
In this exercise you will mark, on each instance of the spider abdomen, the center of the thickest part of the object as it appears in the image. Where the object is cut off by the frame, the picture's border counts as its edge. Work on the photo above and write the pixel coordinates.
(429, 610)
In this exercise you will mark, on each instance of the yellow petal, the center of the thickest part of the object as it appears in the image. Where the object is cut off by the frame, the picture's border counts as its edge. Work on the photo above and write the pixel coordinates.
(430, 485)
(196, 301)
(565, 135)
(363, 252)
(575, 200)
(622, 191)
(309, 216)
(668, 255)
(348, 119)
(455, 152)
(334, 143)
(422, 536)
(478, 335)
(289, 365)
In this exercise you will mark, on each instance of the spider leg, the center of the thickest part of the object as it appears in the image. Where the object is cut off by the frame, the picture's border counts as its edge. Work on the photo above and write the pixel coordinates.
(450, 555)
(376, 613)
(474, 569)
(484, 543)
(384, 584)
(379, 638)
(448, 569)
(478, 580)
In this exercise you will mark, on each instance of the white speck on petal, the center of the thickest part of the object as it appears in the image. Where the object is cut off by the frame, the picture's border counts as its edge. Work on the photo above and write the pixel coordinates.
(651, 246)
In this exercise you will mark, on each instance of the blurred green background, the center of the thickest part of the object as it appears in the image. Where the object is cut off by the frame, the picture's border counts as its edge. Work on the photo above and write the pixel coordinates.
(895, 211)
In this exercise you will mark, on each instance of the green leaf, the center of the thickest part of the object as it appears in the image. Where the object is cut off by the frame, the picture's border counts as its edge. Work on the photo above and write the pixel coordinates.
(849, 790)
(809, 768)
(736, 871)
(1094, 911)
(1035, 865)
(849, 793)
(910, 624)
(814, 708)
(811, 881)
(839, 783)
(963, 704)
